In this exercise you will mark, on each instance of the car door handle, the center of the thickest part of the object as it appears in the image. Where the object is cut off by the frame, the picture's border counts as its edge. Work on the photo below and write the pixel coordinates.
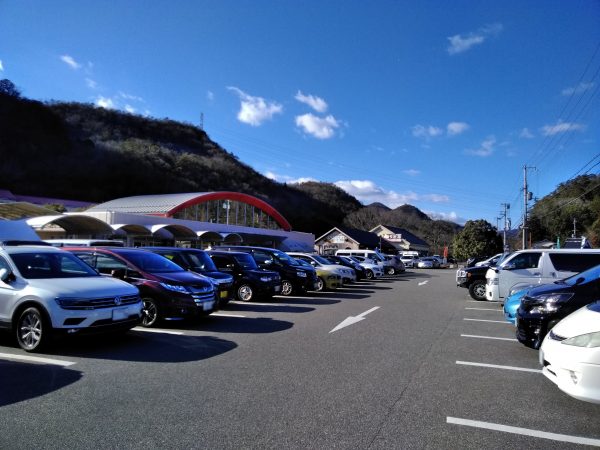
(537, 274)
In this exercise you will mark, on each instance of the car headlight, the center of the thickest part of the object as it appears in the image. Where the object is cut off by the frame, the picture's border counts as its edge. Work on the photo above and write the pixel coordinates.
(590, 340)
(175, 287)
(301, 274)
(265, 279)
(546, 303)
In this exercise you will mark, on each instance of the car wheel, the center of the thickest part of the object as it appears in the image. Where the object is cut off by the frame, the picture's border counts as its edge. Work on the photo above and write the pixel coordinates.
(391, 271)
(370, 275)
(32, 330)
(320, 284)
(245, 293)
(150, 313)
(477, 290)
(286, 287)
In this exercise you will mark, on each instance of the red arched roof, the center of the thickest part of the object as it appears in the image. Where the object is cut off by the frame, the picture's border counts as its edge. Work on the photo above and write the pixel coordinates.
(237, 196)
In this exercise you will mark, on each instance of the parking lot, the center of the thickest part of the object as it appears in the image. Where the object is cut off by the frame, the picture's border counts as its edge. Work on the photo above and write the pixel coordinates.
(402, 362)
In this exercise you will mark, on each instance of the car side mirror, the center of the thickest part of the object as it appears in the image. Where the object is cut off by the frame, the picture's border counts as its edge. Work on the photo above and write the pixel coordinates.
(509, 266)
(6, 275)
(579, 280)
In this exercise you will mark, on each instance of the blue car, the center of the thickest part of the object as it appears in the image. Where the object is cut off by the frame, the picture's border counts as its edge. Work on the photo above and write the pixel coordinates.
(511, 304)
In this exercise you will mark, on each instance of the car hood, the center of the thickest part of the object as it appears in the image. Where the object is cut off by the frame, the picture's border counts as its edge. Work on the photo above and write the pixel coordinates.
(84, 287)
(582, 321)
(217, 275)
(549, 289)
(185, 278)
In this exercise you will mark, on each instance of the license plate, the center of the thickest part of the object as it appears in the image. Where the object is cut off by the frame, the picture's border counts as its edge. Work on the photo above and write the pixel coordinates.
(224, 294)
(206, 306)
(277, 288)
(120, 313)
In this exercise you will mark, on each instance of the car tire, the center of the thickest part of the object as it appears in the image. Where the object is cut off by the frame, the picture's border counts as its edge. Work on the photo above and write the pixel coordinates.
(477, 290)
(286, 287)
(391, 271)
(150, 312)
(370, 275)
(245, 292)
(32, 330)
(320, 284)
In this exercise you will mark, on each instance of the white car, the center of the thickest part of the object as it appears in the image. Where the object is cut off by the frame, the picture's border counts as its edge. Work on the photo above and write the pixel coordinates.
(347, 274)
(45, 290)
(372, 269)
(570, 354)
(409, 260)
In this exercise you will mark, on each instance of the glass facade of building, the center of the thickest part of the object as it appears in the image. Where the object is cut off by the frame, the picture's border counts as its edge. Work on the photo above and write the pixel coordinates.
(229, 212)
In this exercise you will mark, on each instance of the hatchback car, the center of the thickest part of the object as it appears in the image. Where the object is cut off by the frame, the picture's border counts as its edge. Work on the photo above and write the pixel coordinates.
(346, 274)
(168, 291)
(544, 306)
(198, 261)
(250, 282)
(570, 354)
(428, 262)
(346, 262)
(326, 280)
(45, 291)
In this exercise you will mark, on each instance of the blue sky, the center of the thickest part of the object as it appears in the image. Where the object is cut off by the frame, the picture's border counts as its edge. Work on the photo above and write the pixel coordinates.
(436, 104)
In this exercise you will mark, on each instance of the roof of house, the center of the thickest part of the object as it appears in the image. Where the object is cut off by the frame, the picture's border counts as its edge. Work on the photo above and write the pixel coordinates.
(366, 238)
(406, 235)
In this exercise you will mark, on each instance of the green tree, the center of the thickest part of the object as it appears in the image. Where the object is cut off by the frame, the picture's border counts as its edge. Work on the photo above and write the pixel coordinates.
(478, 238)
(7, 87)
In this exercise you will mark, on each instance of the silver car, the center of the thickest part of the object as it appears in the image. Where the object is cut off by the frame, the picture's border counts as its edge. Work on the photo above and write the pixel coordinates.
(45, 290)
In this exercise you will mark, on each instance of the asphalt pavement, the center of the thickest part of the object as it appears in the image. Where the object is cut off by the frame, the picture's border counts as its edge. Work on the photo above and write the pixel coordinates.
(403, 362)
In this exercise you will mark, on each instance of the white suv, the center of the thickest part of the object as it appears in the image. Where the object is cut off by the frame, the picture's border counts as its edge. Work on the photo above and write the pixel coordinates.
(45, 290)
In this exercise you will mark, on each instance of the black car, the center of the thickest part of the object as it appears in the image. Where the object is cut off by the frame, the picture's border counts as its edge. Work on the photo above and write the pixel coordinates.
(473, 277)
(360, 271)
(198, 261)
(249, 281)
(544, 306)
(294, 277)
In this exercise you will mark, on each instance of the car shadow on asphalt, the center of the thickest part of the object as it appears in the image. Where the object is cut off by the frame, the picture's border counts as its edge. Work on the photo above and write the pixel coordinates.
(267, 308)
(341, 294)
(142, 346)
(311, 299)
(21, 381)
(252, 325)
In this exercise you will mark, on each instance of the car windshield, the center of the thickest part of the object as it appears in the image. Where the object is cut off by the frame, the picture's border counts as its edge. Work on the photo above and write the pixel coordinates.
(199, 261)
(583, 277)
(151, 262)
(246, 261)
(320, 259)
(51, 265)
(285, 258)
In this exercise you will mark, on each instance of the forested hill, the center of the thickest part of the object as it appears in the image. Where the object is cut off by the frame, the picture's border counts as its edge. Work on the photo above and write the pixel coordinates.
(82, 152)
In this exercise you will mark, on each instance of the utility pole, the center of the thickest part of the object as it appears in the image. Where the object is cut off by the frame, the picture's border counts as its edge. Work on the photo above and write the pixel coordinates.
(574, 227)
(202, 121)
(526, 197)
(504, 214)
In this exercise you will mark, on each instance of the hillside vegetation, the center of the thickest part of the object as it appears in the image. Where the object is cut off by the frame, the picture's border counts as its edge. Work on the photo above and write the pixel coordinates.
(82, 152)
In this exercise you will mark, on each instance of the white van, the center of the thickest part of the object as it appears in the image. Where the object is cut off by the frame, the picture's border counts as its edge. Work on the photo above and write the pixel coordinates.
(373, 255)
(527, 268)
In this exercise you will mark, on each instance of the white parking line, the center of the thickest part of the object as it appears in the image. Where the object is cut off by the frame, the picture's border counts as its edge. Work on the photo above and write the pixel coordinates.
(482, 301)
(494, 366)
(488, 337)
(524, 431)
(156, 330)
(485, 320)
(37, 359)
(423, 282)
(225, 315)
(484, 309)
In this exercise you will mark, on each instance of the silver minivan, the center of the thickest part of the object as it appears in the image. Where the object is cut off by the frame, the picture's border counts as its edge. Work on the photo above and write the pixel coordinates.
(45, 291)
(527, 268)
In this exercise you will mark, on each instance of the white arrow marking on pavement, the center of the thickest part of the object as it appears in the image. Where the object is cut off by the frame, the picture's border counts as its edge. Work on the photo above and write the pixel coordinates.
(354, 319)
(423, 282)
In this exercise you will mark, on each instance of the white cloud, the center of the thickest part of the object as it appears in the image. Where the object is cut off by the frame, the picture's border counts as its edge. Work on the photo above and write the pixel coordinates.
(130, 109)
(318, 127)
(255, 110)
(1, 66)
(461, 43)
(486, 148)
(450, 217)
(526, 134)
(126, 96)
(70, 61)
(580, 88)
(91, 83)
(287, 179)
(105, 102)
(210, 96)
(368, 192)
(561, 127)
(455, 128)
(316, 103)
(426, 132)
(412, 172)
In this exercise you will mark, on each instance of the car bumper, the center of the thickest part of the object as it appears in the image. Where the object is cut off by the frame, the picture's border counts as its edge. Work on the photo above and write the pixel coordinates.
(531, 332)
(82, 319)
(575, 370)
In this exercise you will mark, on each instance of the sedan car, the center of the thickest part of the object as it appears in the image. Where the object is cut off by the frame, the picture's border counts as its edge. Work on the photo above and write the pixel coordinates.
(168, 291)
(428, 262)
(544, 306)
(347, 262)
(326, 280)
(409, 260)
(372, 269)
(570, 354)
(346, 274)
